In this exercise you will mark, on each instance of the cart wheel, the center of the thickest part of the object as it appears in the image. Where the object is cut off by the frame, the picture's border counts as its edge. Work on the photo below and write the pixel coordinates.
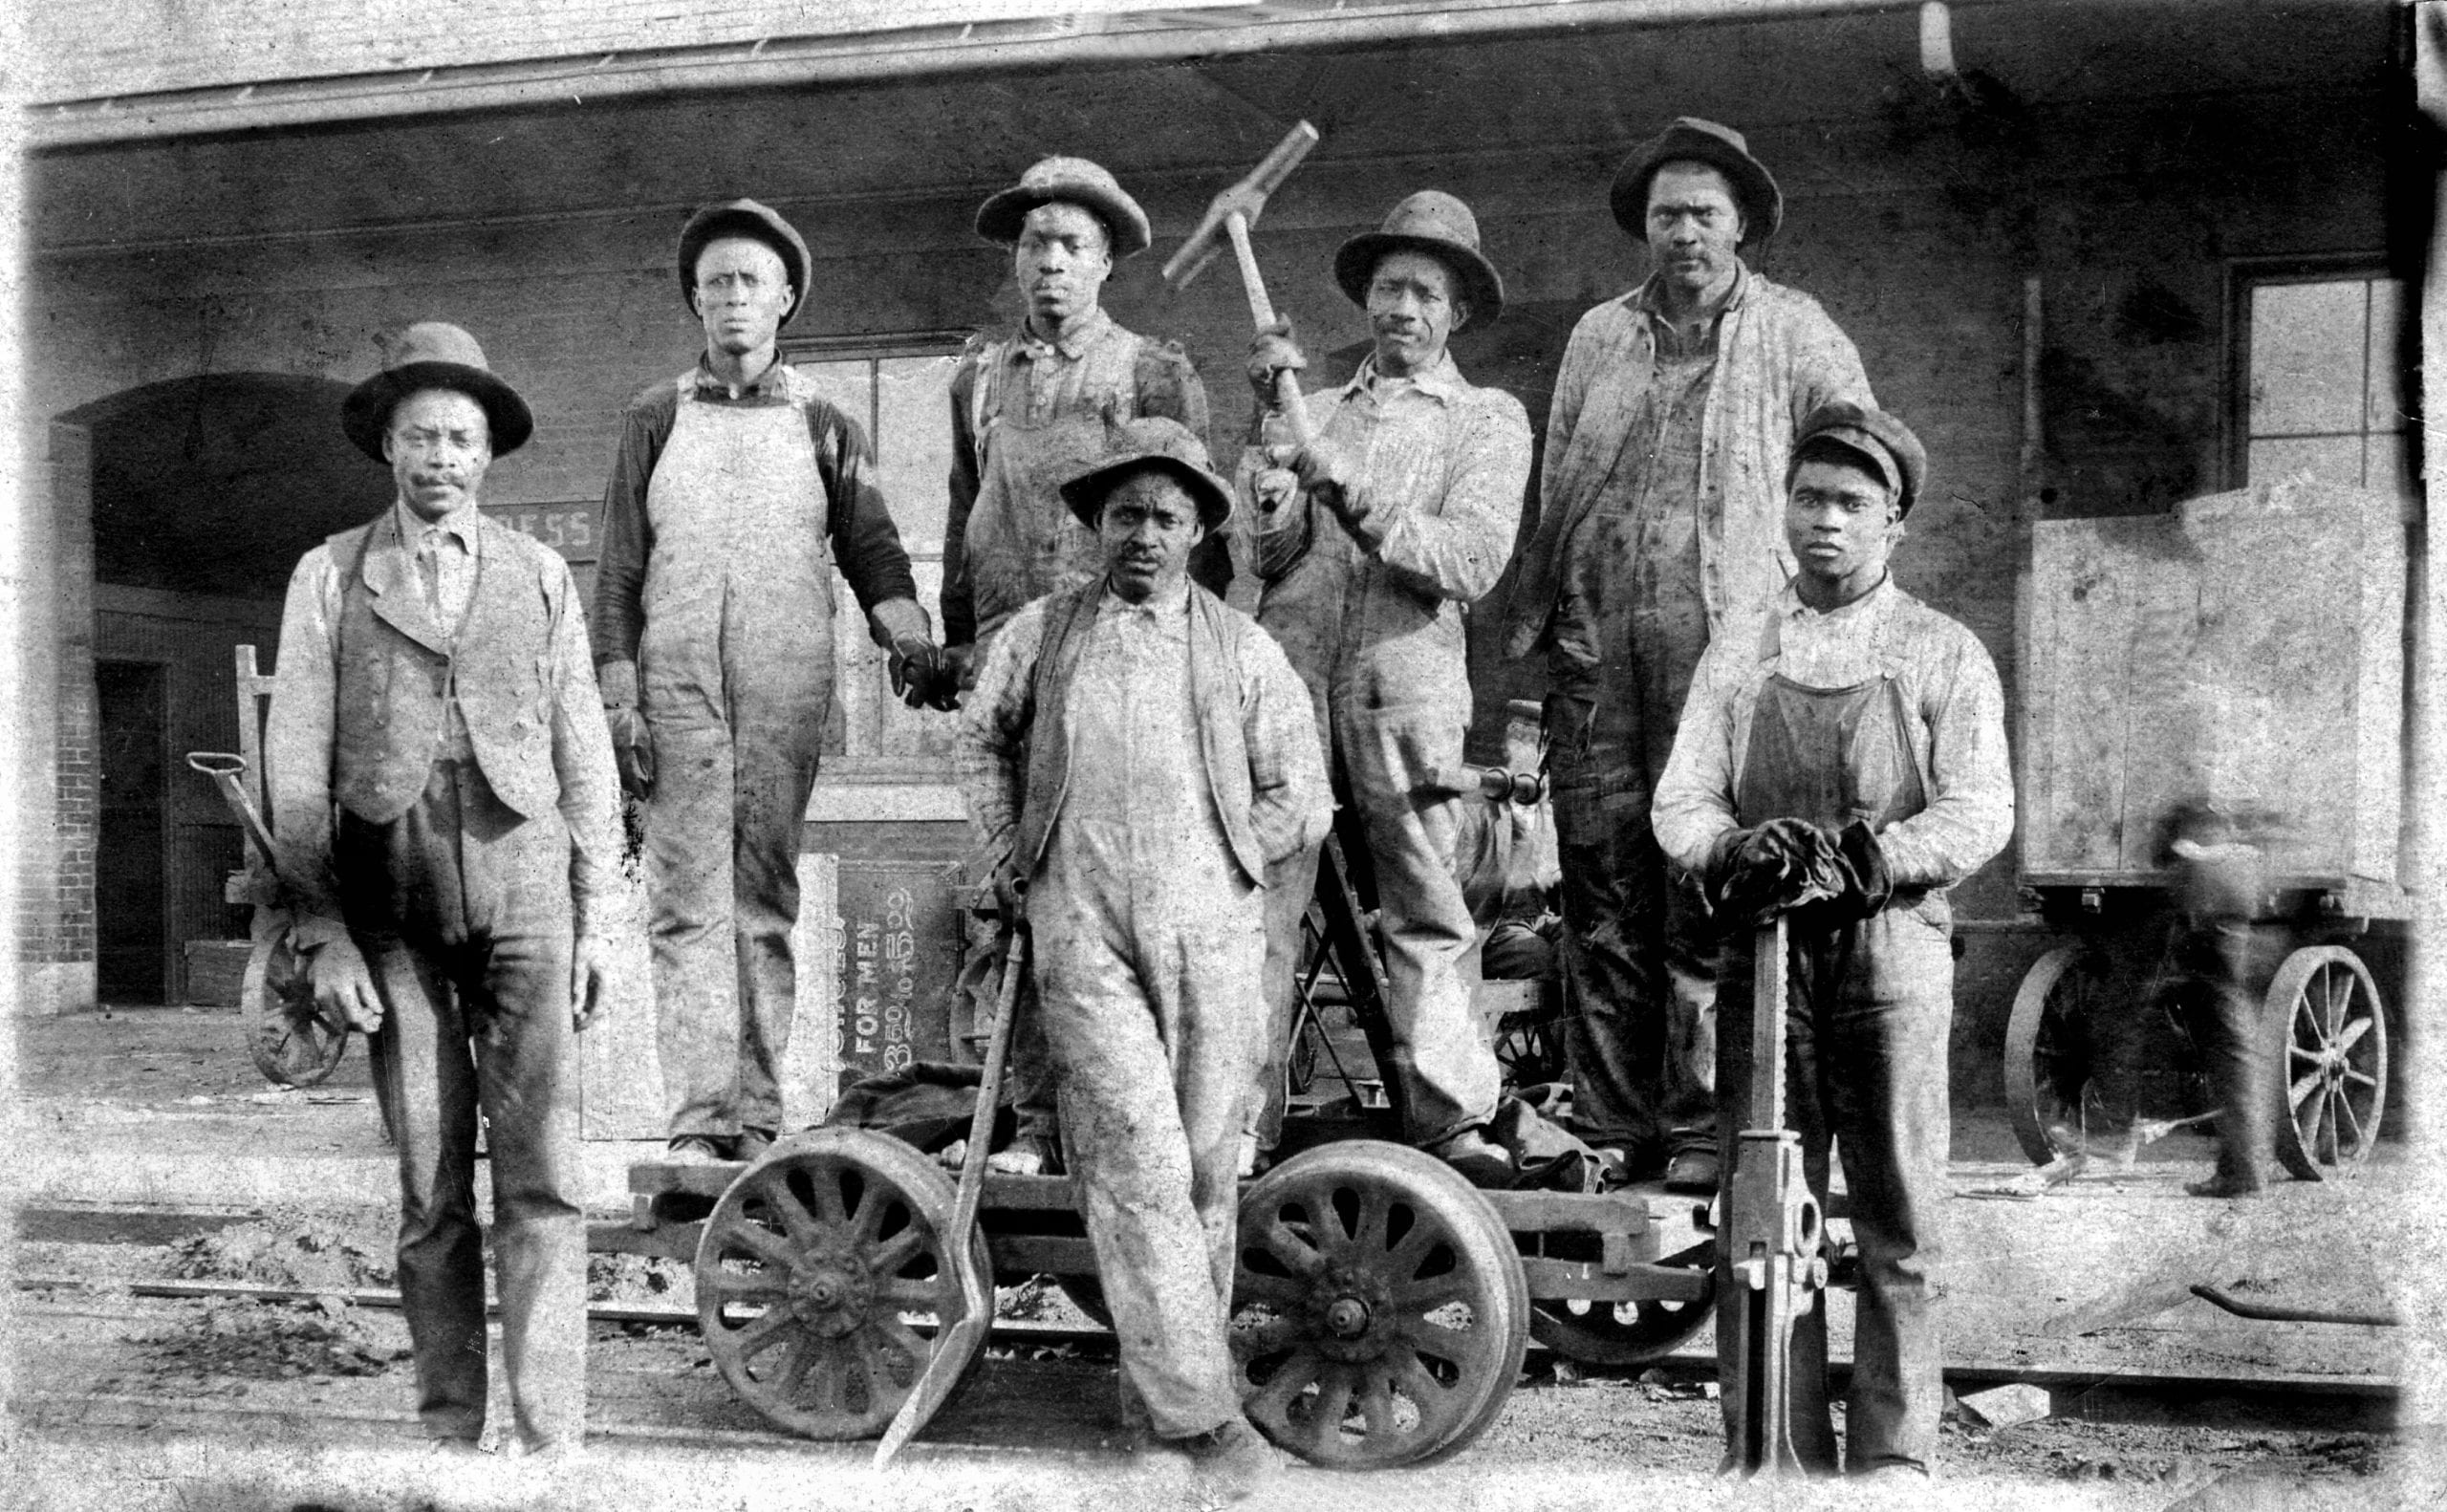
(1379, 1314)
(1529, 1046)
(1628, 1332)
(286, 1034)
(2333, 1087)
(2048, 1059)
(807, 1269)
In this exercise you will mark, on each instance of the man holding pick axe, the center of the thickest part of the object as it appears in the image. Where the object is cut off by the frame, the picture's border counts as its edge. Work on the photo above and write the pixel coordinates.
(1374, 535)
(1844, 765)
(1138, 753)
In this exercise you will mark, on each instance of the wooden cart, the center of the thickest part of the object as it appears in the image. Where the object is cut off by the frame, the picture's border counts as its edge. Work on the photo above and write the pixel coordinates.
(2246, 651)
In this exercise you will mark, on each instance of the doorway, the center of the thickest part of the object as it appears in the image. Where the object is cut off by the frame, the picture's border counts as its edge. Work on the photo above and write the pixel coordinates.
(129, 855)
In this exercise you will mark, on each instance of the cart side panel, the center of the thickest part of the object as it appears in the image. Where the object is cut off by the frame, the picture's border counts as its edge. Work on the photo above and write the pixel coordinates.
(2073, 688)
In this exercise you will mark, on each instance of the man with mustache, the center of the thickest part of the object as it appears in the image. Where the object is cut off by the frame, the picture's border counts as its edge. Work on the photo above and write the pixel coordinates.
(736, 493)
(1137, 754)
(450, 831)
(1373, 540)
(1029, 410)
(1656, 536)
(1845, 763)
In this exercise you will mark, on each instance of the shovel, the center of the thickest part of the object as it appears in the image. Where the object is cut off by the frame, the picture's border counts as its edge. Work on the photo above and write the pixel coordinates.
(955, 1346)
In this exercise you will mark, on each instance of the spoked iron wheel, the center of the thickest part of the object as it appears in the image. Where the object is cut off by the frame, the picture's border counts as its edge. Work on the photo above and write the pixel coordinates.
(2048, 1055)
(810, 1271)
(1630, 1332)
(1529, 1046)
(287, 1035)
(1379, 1314)
(2332, 1075)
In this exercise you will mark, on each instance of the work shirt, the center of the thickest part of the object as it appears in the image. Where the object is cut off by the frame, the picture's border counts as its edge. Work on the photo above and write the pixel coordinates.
(1953, 714)
(866, 544)
(302, 736)
(1052, 397)
(1777, 357)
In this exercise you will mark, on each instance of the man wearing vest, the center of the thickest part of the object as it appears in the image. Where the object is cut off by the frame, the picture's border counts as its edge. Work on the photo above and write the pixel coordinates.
(1028, 411)
(1845, 763)
(1657, 535)
(735, 494)
(449, 824)
(1372, 545)
(1139, 754)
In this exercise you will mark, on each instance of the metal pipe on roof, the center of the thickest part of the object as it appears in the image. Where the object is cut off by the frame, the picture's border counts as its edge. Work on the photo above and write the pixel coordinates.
(780, 63)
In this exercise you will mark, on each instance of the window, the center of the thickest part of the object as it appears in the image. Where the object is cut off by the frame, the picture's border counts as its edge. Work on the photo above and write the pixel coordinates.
(2324, 387)
(899, 390)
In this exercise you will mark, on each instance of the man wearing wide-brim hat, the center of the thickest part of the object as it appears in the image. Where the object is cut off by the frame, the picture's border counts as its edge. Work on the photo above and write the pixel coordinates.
(1372, 541)
(1029, 410)
(1136, 755)
(1843, 764)
(736, 493)
(448, 826)
(1658, 535)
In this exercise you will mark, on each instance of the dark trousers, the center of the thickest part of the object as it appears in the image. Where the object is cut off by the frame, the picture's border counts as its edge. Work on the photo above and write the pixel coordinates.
(1865, 1068)
(463, 912)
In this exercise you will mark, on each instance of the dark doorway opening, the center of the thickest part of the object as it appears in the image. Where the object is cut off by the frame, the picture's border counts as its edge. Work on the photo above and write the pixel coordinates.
(133, 963)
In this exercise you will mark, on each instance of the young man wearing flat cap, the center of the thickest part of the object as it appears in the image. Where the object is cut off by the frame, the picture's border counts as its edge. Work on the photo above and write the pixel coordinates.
(449, 830)
(735, 495)
(1658, 535)
(1029, 410)
(1137, 754)
(1372, 541)
(1844, 763)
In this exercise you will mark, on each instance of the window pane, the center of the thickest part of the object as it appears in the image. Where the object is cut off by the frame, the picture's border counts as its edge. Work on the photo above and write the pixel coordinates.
(2308, 358)
(2386, 409)
(847, 384)
(2329, 459)
(915, 396)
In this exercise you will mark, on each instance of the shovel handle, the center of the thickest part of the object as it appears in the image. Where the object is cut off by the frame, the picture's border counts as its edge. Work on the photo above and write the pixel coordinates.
(225, 769)
(989, 1089)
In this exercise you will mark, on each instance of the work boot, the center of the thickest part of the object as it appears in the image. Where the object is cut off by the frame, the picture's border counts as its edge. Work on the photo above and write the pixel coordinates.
(1693, 1170)
(1482, 1162)
(751, 1144)
(1233, 1459)
(693, 1150)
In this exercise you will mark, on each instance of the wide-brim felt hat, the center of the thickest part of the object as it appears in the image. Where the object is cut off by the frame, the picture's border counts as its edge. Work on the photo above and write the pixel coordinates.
(1073, 181)
(1866, 435)
(1688, 139)
(758, 223)
(1152, 442)
(434, 353)
(1431, 222)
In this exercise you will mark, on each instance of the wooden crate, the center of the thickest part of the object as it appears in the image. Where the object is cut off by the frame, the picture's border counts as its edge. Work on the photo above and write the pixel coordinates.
(2248, 648)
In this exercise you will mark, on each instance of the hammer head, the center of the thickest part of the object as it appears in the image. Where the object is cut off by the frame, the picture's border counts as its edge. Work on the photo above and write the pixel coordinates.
(1247, 198)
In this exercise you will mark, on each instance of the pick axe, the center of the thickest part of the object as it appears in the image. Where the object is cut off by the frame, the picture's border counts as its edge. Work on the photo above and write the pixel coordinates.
(1233, 213)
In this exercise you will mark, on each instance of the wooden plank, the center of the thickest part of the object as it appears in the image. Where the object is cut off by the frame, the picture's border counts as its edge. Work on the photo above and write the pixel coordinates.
(1567, 1280)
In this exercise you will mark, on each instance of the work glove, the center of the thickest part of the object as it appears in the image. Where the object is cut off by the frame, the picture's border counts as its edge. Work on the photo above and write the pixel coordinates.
(915, 661)
(1867, 882)
(1272, 352)
(632, 742)
(1326, 473)
(960, 668)
(1781, 865)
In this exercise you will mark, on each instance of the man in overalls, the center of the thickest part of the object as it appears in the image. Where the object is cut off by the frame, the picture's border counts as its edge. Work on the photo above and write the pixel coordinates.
(1856, 741)
(1139, 753)
(735, 494)
(1372, 541)
(1028, 411)
(1657, 534)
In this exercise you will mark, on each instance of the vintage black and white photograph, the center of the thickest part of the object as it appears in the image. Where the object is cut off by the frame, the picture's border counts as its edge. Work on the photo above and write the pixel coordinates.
(999, 756)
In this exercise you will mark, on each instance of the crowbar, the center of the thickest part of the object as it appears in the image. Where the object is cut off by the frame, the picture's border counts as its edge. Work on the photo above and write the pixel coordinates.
(956, 1345)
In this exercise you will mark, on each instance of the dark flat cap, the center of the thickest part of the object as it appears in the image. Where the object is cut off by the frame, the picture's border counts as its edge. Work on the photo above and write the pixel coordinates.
(1848, 432)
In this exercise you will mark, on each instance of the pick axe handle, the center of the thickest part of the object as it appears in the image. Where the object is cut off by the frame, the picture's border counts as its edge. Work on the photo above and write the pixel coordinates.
(1286, 384)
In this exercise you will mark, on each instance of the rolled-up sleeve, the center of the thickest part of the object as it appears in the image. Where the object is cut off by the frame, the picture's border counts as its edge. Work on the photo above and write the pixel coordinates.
(1970, 814)
(988, 744)
(297, 744)
(1458, 549)
(1290, 806)
(1694, 802)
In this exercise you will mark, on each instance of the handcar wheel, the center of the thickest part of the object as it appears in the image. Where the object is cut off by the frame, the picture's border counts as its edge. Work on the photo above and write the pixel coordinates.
(1628, 1332)
(287, 1036)
(2047, 1061)
(808, 1269)
(1380, 1313)
(2331, 1032)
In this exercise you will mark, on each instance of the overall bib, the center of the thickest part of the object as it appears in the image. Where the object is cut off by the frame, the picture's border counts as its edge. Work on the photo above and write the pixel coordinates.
(735, 673)
(1023, 541)
(1866, 1062)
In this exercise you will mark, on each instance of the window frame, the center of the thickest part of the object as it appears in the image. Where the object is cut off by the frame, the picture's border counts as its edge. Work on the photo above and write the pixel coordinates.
(2245, 274)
